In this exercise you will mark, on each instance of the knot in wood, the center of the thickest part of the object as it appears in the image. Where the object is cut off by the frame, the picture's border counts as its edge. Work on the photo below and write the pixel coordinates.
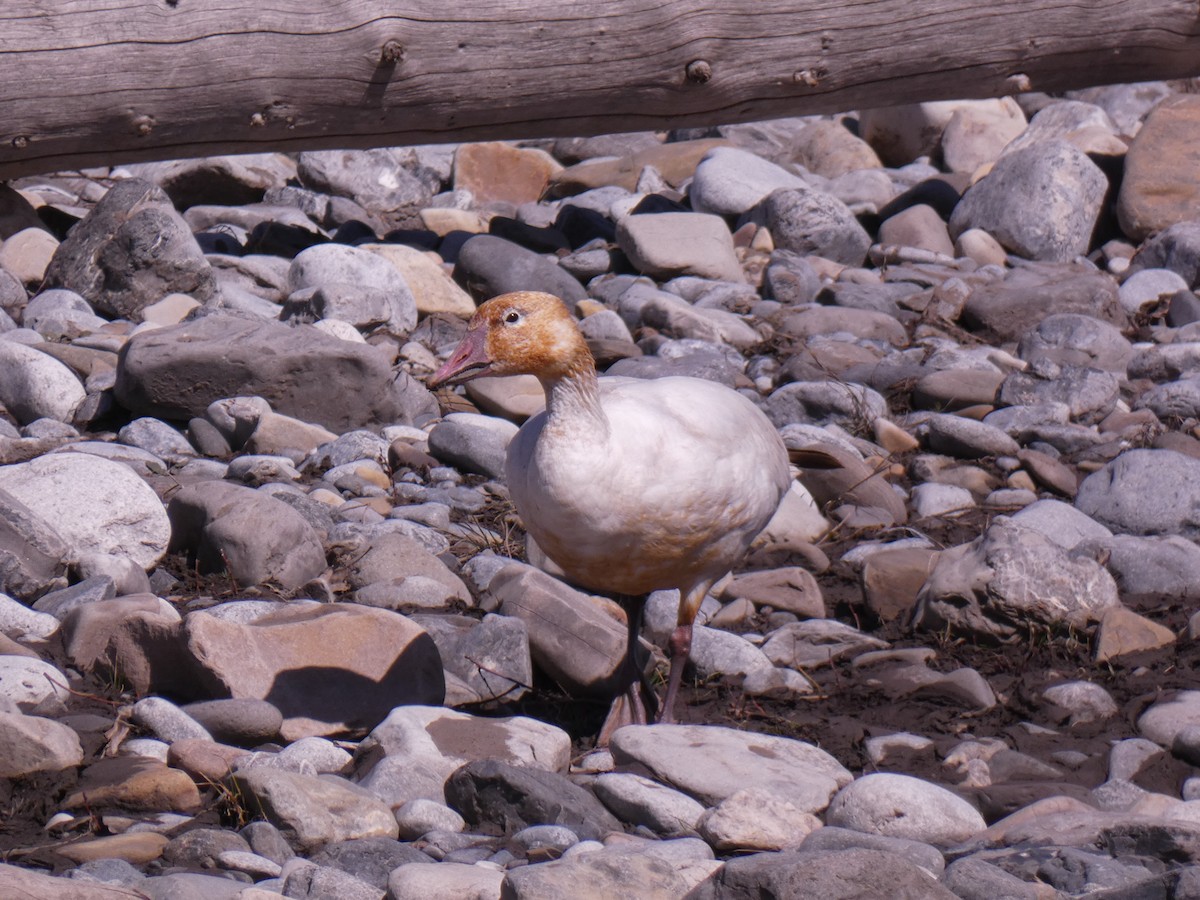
(698, 71)
(391, 53)
(20, 142)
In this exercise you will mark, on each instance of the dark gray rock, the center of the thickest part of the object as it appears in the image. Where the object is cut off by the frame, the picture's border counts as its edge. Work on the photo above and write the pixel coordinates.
(176, 372)
(131, 250)
(199, 847)
(496, 795)
(89, 590)
(489, 265)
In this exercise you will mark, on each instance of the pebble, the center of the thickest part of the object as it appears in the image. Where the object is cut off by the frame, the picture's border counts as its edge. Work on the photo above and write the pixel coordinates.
(224, 485)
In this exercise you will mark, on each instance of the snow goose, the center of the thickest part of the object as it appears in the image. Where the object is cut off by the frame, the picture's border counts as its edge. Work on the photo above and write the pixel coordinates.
(628, 485)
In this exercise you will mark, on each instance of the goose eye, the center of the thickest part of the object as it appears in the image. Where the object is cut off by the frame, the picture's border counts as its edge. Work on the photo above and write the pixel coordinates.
(512, 317)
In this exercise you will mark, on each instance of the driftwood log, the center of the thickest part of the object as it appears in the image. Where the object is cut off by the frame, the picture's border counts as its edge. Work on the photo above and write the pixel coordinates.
(85, 83)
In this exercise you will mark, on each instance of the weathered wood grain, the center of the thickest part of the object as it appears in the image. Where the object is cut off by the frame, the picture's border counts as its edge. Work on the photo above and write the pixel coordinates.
(83, 82)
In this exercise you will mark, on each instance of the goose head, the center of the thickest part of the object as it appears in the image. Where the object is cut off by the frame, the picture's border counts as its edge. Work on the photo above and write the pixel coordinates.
(521, 333)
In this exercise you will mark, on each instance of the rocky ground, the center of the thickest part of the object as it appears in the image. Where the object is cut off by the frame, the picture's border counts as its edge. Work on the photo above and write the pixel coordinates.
(269, 624)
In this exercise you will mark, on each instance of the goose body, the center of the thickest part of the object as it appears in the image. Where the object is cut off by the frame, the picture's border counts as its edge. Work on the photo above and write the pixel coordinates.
(628, 485)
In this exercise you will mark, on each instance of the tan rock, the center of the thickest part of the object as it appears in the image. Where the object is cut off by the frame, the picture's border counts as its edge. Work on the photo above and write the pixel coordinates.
(675, 162)
(205, 760)
(1161, 185)
(170, 310)
(513, 397)
(134, 783)
(132, 639)
(756, 819)
(951, 390)
(1049, 472)
(328, 669)
(829, 149)
(790, 589)
(495, 171)
(892, 438)
(433, 290)
(976, 135)
(1123, 632)
(891, 580)
(26, 254)
(138, 848)
(444, 221)
(976, 244)
(280, 435)
(571, 637)
(900, 134)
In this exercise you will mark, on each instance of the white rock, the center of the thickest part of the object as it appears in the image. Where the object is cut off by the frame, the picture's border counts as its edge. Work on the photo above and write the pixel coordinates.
(420, 816)
(905, 807)
(445, 881)
(712, 763)
(32, 684)
(30, 744)
(95, 505)
(18, 621)
(642, 801)
(35, 385)
(756, 820)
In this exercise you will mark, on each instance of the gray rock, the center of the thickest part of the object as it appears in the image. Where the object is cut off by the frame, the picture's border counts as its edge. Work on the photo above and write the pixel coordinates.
(33, 557)
(34, 385)
(243, 723)
(489, 792)
(730, 181)
(906, 807)
(811, 222)
(252, 536)
(1173, 400)
(967, 438)
(1041, 202)
(1089, 393)
(1009, 576)
(641, 801)
(712, 763)
(790, 279)
(816, 643)
(825, 403)
(489, 265)
(370, 859)
(445, 881)
(420, 816)
(1144, 492)
(665, 245)
(415, 749)
(157, 437)
(32, 744)
(167, 720)
(1176, 248)
(831, 839)
(476, 444)
(178, 371)
(1013, 307)
(1083, 701)
(1063, 524)
(131, 250)
(609, 872)
(491, 656)
(356, 286)
(374, 178)
(1077, 340)
(1148, 287)
(837, 875)
(1166, 566)
(59, 314)
(312, 810)
(976, 879)
(94, 505)
(18, 621)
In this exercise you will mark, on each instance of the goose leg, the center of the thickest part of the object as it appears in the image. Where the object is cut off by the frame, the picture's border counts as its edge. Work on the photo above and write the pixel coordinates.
(679, 645)
(629, 707)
